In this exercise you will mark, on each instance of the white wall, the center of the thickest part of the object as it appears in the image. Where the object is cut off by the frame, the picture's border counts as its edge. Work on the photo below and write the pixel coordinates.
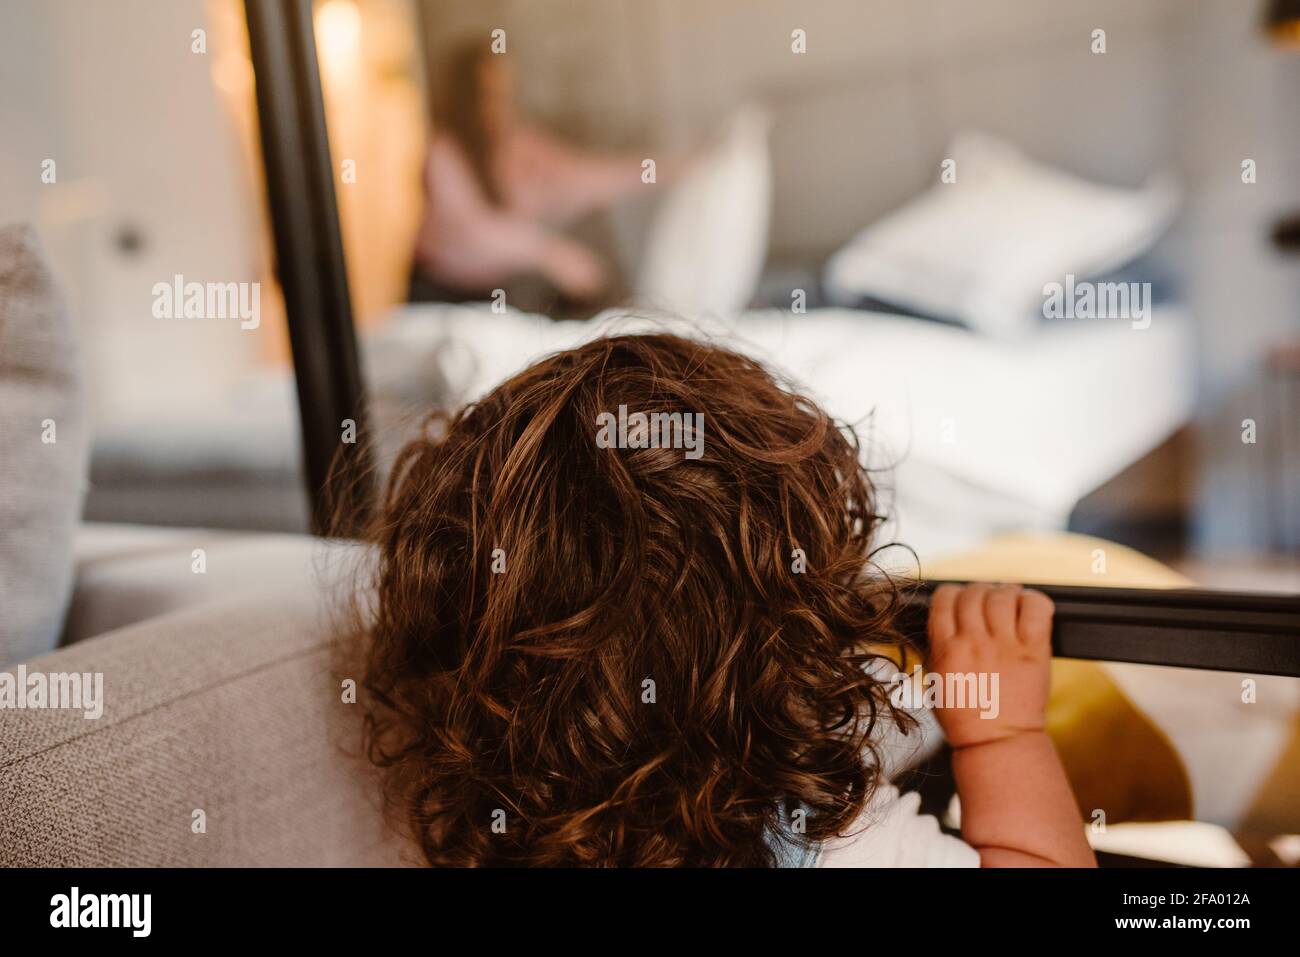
(112, 92)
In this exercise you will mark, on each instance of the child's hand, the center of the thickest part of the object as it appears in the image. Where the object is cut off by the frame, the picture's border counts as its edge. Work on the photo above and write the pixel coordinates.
(1001, 630)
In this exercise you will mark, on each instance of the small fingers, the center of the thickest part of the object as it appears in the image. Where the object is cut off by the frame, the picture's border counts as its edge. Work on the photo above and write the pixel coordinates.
(970, 609)
(1034, 625)
(943, 605)
(1000, 611)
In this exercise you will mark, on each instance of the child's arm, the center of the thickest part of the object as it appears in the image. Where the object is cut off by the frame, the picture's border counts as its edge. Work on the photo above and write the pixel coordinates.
(1017, 808)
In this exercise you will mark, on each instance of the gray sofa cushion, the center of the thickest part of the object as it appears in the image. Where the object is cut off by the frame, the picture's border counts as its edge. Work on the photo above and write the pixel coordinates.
(130, 573)
(42, 482)
(231, 709)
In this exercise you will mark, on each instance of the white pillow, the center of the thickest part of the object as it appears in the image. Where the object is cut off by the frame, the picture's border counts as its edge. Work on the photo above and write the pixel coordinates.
(708, 239)
(981, 249)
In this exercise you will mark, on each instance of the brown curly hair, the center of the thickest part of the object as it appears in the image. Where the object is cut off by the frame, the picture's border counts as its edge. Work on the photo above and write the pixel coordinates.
(580, 655)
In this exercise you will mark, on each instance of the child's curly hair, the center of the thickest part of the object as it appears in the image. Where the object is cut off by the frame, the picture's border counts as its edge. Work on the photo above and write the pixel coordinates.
(582, 655)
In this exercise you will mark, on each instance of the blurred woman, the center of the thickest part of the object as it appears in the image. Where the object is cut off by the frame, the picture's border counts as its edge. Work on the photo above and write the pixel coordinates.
(499, 189)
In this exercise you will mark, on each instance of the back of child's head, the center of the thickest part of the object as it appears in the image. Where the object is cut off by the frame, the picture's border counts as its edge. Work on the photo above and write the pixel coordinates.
(623, 613)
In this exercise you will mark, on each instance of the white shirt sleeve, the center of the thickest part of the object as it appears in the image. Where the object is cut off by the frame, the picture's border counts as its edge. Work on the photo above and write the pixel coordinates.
(891, 832)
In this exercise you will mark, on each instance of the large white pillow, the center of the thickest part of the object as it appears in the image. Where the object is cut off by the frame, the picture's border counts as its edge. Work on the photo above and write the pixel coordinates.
(980, 250)
(708, 239)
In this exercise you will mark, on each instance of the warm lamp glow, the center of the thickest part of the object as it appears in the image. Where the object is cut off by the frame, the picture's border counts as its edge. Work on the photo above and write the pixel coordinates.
(1287, 34)
(338, 33)
(233, 73)
(1283, 23)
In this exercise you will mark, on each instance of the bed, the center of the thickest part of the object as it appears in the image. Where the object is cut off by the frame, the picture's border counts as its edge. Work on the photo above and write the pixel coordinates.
(981, 435)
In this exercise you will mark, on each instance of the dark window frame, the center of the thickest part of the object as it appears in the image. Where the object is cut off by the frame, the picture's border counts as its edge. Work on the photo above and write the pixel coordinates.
(1225, 631)
(309, 263)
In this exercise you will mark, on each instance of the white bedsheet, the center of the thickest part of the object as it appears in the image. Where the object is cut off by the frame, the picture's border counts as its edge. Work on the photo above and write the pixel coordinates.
(985, 435)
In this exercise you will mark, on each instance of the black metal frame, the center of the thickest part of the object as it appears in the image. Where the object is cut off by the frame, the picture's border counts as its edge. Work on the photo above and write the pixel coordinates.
(309, 260)
(1254, 634)
(1180, 628)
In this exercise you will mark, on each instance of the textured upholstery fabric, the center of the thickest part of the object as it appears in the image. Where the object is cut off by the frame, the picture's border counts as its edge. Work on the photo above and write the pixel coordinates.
(229, 708)
(42, 482)
(128, 573)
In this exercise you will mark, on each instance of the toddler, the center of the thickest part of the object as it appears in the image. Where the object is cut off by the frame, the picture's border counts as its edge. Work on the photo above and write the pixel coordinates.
(625, 613)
